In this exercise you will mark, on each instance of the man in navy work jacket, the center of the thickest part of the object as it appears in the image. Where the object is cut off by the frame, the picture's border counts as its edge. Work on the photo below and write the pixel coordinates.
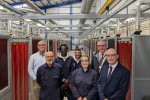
(77, 57)
(67, 63)
(48, 77)
(114, 79)
(99, 58)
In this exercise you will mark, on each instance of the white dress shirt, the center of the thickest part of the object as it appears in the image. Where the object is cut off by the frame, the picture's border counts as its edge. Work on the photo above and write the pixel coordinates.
(113, 67)
(35, 61)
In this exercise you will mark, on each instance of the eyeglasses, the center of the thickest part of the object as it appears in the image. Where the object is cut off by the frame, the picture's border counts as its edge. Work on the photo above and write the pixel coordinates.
(41, 44)
(111, 55)
(84, 60)
(63, 49)
(77, 52)
(101, 45)
(49, 57)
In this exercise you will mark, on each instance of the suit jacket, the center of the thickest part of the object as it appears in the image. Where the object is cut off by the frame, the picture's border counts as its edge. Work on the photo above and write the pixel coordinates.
(95, 62)
(118, 84)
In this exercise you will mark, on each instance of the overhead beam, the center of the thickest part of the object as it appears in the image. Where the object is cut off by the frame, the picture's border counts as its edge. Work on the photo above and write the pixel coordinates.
(87, 16)
(62, 4)
(20, 3)
(80, 25)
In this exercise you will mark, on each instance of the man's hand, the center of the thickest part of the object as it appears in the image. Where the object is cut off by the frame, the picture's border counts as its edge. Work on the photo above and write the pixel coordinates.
(105, 99)
(80, 98)
(66, 81)
(84, 98)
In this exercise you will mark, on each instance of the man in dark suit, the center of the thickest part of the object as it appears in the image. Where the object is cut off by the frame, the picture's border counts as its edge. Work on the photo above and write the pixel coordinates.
(99, 58)
(114, 79)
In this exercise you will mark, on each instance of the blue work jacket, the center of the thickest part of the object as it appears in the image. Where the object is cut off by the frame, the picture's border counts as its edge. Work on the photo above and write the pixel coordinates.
(49, 78)
(84, 84)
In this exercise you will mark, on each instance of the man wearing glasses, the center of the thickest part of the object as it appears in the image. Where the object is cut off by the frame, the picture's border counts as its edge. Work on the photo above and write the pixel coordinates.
(99, 58)
(67, 63)
(114, 79)
(49, 78)
(35, 61)
(77, 57)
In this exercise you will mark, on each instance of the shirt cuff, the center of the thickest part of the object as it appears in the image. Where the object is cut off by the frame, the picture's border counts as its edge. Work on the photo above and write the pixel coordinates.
(63, 80)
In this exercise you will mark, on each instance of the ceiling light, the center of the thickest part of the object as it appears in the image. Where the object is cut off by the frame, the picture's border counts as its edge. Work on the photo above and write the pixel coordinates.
(39, 24)
(21, 6)
(74, 8)
(130, 19)
(1, 7)
(27, 19)
(48, 28)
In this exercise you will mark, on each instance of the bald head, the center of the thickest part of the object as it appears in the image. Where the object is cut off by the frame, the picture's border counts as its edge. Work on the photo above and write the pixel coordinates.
(49, 57)
(41, 46)
(112, 50)
(111, 56)
(50, 53)
(102, 47)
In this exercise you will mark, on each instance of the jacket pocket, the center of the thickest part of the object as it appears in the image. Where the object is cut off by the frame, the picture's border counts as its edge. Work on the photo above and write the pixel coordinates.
(56, 77)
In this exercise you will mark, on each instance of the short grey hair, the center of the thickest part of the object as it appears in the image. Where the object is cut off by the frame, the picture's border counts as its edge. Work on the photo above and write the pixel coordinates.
(102, 41)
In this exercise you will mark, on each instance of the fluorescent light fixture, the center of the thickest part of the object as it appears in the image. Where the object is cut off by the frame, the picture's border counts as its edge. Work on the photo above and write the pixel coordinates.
(48, 28)
(130, 19)
(39, 24)
(1, 7)
(27, 19)
(21, 6)
(74, 8)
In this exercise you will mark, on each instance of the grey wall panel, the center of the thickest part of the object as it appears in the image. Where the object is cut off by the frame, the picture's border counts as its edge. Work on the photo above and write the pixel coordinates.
(140, 67)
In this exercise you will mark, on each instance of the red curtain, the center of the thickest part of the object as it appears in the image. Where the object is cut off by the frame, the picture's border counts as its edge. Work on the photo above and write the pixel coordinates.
(19, 55)
(124, 49)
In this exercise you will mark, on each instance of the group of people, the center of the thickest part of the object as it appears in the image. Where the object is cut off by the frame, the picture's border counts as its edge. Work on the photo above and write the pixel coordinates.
(74, 77)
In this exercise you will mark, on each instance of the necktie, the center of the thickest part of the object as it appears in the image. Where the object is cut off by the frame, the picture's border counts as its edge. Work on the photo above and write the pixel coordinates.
(101, 60)
(109, 74)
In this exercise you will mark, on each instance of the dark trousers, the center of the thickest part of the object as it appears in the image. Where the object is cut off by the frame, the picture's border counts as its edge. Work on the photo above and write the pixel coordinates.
(69, 97)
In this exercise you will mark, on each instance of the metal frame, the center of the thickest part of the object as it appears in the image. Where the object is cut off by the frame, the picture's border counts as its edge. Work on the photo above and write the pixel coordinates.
(81, 16)
(115, 38)
(9, 87)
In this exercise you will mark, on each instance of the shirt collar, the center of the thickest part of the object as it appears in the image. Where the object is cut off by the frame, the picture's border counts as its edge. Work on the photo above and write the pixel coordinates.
(48, 66)
(86, 71)
(101, 53)
(41, 54)
(76, 59)
(114, 66)
(63, 57)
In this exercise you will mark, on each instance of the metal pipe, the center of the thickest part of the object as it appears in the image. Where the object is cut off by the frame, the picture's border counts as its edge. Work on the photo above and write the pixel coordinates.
(138, 12)
(28, 29)
(9, 26)
(114, 13)
(118, 25)
(39, 31)
(86, 8)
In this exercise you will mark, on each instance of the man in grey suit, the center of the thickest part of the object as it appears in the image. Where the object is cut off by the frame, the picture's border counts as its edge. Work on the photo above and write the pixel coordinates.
(99, 58)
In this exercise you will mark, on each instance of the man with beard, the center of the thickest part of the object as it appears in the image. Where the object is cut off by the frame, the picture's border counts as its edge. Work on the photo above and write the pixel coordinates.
(67, 63)
(77, 57)
(48, 77)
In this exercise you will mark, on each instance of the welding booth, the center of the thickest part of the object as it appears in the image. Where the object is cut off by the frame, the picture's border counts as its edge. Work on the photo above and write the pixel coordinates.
(14, 56)
(134, 54)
